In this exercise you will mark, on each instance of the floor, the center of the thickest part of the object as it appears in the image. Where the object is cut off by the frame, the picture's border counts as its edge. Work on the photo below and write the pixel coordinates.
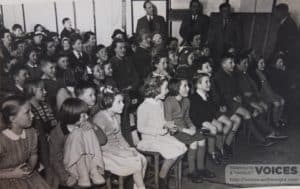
(284, 152)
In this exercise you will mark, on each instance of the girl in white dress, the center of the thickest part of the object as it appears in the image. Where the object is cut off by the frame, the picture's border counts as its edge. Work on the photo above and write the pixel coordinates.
(155, 130)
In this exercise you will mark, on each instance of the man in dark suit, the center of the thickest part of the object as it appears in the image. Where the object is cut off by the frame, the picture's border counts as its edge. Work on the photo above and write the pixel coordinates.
(224, 32)
(151, 22)
(287, 35)
(194, 22)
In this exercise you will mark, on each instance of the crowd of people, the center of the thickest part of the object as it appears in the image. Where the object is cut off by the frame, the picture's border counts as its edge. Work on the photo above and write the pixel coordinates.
(68, 105)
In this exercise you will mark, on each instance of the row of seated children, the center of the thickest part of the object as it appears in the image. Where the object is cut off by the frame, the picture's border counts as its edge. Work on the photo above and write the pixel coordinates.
(77, 102)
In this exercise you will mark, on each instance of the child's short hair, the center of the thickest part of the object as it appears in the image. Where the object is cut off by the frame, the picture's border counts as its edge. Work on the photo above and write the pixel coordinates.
(74, 37)
(36, 26)
(140, 37)
(191, 37)
(64, 20)
(3, 32)
(224, 5)
(225, 57)
(116, 32)
(31, 85)
(27, 53)
(156, 58)
(115, 42)
(203, 60)
(242, 57)
(44, 62)
(152, 86)
(82, 86)
(61, 55)
(16, 26)
(108, 99)
(198, 78)
(170, 39)
(87, 35)
(70, 112)
(98, 48)
(15, 69)
(174, 86)
(10, 107)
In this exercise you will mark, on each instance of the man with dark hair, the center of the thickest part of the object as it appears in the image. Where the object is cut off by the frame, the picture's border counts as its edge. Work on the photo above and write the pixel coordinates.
(287, 35)
(224, 31)
(194, 22)
(68, 30)
(151, 22)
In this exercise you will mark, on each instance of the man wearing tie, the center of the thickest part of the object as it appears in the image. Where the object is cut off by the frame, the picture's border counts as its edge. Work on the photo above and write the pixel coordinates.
(224, 32)
(194, 22)
(151, 22)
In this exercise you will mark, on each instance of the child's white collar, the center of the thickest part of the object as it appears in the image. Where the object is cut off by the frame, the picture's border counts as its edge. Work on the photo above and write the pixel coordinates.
(13, 136)
(202, 94)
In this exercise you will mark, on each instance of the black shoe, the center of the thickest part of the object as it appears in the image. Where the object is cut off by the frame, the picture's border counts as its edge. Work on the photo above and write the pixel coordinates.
(228, 150)
(222, 156)
(267, 143)
(195, 177)
(163, 183)
(205, 173)
(214, 159)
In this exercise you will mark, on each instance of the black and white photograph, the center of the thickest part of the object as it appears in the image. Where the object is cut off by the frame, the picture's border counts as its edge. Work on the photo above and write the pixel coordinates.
(149, 94)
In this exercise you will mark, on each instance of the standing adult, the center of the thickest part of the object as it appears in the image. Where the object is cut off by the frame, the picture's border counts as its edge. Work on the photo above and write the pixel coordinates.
(194, 22)
(224, 32)
(287, 34)
(151, 22)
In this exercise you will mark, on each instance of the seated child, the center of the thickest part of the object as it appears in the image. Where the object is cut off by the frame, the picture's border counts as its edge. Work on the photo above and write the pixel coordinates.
(176, 108)
(160, 66)
(156, 131)
(266, 91)
(52, 85)
(204, 66)
(44, 120)
(248, 87)
(32, 63)
(19, 74)
(205, 115)
(82, 152)
(108, 72)
(119, 158)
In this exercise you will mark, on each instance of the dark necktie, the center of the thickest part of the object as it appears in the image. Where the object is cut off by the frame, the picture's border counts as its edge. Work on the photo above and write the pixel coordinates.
(151, 24)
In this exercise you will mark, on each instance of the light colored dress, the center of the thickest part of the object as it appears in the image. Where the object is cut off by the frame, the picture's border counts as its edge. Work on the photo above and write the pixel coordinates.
(16, 150)
(82, 150)
(150, 122)
(119, 158)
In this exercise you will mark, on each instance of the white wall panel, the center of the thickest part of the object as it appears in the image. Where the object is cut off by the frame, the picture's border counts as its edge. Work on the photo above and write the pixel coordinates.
(84, 15)
(12, 14)
(40, 13)
(109, 18)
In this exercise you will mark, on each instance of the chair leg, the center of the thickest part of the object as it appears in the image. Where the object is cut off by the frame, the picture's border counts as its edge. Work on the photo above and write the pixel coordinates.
(108, 183)
(179, 166)
(176, 170)
(121, 182)
(156, 171)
